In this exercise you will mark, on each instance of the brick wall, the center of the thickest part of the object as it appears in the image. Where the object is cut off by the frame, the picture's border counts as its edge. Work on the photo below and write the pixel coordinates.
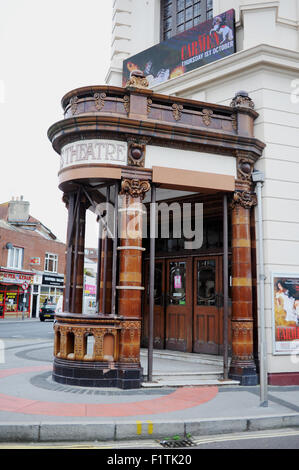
(34, 246)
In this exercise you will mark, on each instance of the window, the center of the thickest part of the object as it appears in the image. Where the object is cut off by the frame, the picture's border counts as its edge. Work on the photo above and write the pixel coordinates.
(51, 294)
(51, 263)
(15, 257)
(179, 15)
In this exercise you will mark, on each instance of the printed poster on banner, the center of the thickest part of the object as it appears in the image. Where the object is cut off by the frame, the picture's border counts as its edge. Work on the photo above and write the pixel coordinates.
(205, 43)
(285, 312)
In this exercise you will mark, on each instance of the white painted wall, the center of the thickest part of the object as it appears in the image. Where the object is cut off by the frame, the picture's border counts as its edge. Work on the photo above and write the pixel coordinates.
(190, 160)
(135, 27)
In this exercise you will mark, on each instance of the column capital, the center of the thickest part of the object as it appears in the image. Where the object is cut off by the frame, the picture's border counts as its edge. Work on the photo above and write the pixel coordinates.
(134, 187)
(245, 199)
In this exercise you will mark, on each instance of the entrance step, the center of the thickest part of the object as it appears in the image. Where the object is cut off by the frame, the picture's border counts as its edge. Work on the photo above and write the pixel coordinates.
(183, 379)
(199, 370)
(189, 382)
(183, 356)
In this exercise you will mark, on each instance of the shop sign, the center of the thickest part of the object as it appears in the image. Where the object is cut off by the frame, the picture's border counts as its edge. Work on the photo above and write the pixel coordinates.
(16, 278)
(94, 151)
(35, 260)
(49, 280)
(285, 311)
(205, 43)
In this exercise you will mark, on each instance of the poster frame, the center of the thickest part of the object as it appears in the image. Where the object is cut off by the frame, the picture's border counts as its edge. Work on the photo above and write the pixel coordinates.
(274, 275)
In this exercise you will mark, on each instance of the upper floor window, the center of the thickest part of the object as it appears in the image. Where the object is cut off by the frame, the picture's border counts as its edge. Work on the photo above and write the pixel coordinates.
(15, 257)
(179, 15)
(51, 263)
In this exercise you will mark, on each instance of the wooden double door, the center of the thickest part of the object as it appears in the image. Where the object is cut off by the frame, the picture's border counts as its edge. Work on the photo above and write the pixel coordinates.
(188, 305)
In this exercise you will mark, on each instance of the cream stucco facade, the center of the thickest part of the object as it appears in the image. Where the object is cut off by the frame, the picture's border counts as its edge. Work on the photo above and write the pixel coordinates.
(266, 65)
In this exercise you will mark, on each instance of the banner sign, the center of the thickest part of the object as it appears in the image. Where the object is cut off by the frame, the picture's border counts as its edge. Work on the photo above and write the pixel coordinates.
(285, 307)
(198, 46)
(15, 278)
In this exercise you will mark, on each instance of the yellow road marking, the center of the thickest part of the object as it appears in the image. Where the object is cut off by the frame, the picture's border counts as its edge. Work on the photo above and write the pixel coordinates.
(139, 427)
(150, 427)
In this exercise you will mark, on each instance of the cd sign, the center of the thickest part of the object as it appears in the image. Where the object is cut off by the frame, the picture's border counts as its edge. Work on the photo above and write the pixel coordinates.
(198, 46)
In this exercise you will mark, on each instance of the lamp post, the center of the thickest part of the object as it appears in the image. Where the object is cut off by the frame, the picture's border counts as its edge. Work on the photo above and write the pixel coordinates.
(258, 179)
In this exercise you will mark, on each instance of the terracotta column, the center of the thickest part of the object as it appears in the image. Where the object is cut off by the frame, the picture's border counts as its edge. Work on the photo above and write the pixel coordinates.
(69, 200)
(242, 366)
(130, 249)
(75, 244)
(78, 257)
(130, 269)
(106, 279)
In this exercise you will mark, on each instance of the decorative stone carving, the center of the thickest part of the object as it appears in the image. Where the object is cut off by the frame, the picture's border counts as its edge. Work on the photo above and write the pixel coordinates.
(245, 199)
(134, 188)
(234, 122)
(244, 167)
(136, 153)
(242, 100)
(126, 101)
(130, 334)
(137, 80)
(99, 100)
(206, 116)
(149, 104)
(177, 111)
(74, 104)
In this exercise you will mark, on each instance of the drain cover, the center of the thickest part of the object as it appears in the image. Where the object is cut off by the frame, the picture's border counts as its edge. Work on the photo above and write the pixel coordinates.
(172, 443)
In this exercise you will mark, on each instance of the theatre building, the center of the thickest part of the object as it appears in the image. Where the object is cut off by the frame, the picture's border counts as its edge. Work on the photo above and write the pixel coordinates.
(31, 262)
(186, 156)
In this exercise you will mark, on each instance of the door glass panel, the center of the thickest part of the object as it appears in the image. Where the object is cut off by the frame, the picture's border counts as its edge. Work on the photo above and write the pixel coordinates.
(177, 283)
(206, 282)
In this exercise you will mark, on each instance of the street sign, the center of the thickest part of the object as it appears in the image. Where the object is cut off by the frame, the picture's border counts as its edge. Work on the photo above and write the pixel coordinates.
(25, 285)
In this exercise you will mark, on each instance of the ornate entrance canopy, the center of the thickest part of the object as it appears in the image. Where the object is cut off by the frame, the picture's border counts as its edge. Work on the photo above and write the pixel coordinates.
(116, 145)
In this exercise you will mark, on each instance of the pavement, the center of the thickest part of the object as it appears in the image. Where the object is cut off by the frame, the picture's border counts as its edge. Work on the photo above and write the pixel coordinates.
(187, 397)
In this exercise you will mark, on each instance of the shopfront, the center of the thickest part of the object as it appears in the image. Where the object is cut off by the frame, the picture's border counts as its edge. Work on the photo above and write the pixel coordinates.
(51, 288)
(15, 293)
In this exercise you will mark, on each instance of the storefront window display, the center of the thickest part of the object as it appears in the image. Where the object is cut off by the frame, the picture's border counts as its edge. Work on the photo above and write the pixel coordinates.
(14, 300)
(50, 293)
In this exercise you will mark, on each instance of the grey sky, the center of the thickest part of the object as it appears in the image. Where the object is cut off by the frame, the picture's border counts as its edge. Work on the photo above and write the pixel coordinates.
(47, 48)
